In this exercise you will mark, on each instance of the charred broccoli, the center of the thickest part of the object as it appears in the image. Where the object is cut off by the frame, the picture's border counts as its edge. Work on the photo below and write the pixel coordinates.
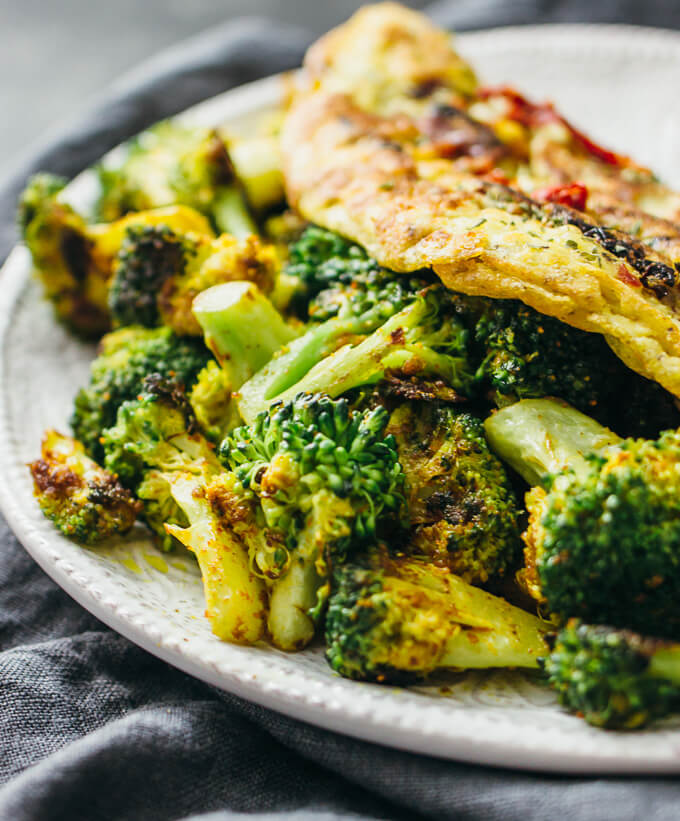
(604, 532)
(85, 502)
(326, 480)
(125, 358)
(395, 621)
(462, 509)
(614, 678)
(319, 259)
(159, 272)
(173, 164)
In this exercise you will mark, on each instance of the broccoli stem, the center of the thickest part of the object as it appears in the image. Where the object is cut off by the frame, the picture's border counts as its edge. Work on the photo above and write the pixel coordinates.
(234, 596)
(241, 327)
(395, 345)
(542, 437)
(495, 634)
(295, 596)
(231, 214)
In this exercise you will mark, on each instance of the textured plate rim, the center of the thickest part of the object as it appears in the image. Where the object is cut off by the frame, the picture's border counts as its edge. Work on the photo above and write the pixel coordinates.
(367, 712)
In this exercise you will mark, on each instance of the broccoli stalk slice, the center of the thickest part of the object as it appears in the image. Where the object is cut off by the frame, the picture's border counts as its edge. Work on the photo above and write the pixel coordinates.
(402, 620)
(235, 598)
(241, 327)
(403, 342)
(541, 437)
(614, 678)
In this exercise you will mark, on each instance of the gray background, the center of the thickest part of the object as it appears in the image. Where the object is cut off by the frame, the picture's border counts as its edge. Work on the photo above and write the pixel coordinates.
(56, 54)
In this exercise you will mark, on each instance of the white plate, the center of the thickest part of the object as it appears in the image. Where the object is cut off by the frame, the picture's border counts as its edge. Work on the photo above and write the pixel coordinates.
(621, 85)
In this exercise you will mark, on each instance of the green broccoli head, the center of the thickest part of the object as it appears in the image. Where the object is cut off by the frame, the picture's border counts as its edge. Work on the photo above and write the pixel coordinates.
(148, 257)
(315, 444)
(614, 678)
(395, 621)
(125, 358)
(174, 164)
(85, 502)
(320, 258)
(604, 531)
(155, 430)
(462, 508)
(527, 354)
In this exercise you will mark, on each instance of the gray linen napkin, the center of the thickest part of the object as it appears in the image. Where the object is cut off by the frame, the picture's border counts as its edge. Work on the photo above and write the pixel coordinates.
(92, 727)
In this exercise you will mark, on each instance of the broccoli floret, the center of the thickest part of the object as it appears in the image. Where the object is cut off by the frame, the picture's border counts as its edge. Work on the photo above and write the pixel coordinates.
(462, 508)
(604, 531)
(85, 502)
(73, 276)
(395, 621)
(241, 327)
(319, 258)
(527, 354)
(614, 678)
(153, 436)
(327, 480)
(172, 164)
(148, 257)
(422, 339)
(218, 520)
(158, 273)
(125, 358)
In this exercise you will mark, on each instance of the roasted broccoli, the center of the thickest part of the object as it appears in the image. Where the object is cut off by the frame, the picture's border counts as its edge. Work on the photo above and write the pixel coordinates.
(85, 502)
(125, 358)
(159, 272)
(186, 496)
(603, 542)
(327, 480)
(73, 259)
(173, 164)
(73, 276)
(462, 509)
(395, 621)
(154, 435)
(614, 678)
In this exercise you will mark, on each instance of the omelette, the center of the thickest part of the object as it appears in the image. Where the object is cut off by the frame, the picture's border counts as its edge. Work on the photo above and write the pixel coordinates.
(391, 142)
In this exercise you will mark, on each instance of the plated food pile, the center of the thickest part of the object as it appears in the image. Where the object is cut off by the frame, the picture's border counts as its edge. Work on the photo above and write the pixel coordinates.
(399, 370)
